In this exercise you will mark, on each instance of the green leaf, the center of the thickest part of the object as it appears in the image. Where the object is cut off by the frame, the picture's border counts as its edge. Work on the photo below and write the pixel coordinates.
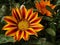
(51, 10)
(51, 31)
(17, 5)
(48, 18)
(5, 39)
(38, 0)
(41, 41)
(52, 25)
(58, 2)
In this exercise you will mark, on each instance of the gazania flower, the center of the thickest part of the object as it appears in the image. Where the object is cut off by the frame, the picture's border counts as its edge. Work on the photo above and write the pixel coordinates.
(22, 23)
(41, 6)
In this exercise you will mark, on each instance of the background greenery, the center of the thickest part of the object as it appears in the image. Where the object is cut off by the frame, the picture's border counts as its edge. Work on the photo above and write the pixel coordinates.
(49, 36)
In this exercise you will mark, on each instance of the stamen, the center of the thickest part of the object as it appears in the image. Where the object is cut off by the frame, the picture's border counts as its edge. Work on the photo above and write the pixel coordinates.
(23, 25)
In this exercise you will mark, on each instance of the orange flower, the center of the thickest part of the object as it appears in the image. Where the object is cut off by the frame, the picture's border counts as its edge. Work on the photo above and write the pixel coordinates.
(22, 23)
(41, 6)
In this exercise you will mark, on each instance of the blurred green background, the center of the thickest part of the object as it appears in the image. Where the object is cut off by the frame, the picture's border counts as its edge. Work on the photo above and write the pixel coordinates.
(49, 36)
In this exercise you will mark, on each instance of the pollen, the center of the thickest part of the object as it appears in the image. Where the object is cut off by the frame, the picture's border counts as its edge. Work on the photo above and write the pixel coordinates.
(23, 25)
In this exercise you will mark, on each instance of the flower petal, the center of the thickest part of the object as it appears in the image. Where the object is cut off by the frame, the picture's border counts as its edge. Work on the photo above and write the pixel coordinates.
(48, 13)
(30, 31)
(11, 32)
(37, 27)
(19, 35)
(26, 36)
(53, 6)
(23, 11)
(36, 21)
(47, 2)
(10, 19)
(37, 5)
(16, 14)
(33, 17)
(29, 12)
(9, 26)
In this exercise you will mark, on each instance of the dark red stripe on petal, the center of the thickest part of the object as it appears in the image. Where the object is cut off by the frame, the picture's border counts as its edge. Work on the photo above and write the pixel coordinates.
(9, 20)
(30, 31)
(10, 26)
(29, 13)
(35, 20)
(26, 36)
(36, 28)
(23, 12)
(33, 16)
(20, 32)
(16, 15)
(12, 31)
(19, 35)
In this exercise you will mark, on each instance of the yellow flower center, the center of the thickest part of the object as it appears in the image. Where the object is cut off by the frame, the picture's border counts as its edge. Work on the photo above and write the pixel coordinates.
(23, 25)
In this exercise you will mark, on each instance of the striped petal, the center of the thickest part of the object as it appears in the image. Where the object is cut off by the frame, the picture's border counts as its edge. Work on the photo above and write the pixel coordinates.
(29, 12)
(33, 17)
(30, 31)
(23, 11)
(19, 35)
(37, 27)
(25, 36)
(11, 32)
(9, 26)
(36, 21)
(16, 14)
(10, 19)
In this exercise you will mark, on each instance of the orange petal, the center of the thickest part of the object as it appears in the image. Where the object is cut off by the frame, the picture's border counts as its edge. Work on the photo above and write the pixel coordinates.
(16, 14)
(48, 13)
(11, 32)
(19, 35)
(9, 26)
(47, 2)
(23, 11)
(15, 37)
(29, 12)
(53, 6)
(33, 17)
(10, 20)
(37, 27)
(30, 31)
(19, 13)
(43, 11)
(37, 5)
(36, 21)
(26, 36)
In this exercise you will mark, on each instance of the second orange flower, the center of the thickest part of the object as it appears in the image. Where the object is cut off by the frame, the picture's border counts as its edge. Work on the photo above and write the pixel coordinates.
(41, 6)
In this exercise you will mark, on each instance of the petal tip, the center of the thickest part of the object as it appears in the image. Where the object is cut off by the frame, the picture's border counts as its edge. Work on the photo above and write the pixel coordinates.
(22, 6)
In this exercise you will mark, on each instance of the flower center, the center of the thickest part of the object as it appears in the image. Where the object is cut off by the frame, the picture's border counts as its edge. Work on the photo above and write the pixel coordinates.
(23, 25)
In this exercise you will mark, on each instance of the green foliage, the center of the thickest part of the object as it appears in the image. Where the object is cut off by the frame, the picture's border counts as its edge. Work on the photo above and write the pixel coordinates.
(5, 39)
(51, 31)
